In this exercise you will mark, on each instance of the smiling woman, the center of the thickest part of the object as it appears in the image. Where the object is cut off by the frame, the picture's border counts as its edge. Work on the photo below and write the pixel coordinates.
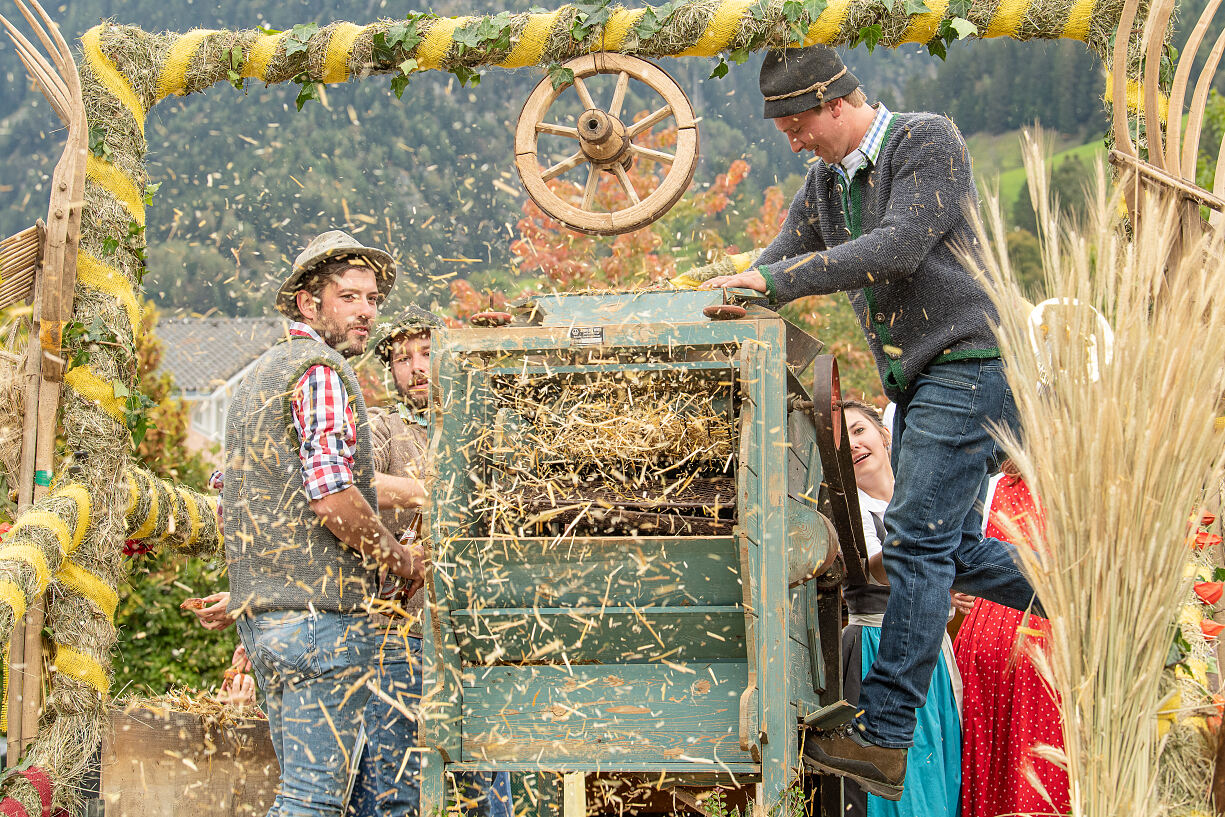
(933, 773)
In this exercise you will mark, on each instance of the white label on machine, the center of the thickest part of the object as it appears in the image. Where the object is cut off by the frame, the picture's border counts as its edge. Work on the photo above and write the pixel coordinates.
(587, 335)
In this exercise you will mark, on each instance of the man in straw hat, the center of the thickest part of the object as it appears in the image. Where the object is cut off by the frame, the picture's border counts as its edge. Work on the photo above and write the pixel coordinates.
(304, 542)
(388, 779)
(881, 217)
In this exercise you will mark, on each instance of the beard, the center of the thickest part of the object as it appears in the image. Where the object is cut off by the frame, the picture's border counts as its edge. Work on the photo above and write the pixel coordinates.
(418, 398)
(338, 337)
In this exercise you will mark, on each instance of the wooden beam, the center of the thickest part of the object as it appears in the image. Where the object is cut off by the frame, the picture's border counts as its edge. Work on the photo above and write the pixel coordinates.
(574, 794)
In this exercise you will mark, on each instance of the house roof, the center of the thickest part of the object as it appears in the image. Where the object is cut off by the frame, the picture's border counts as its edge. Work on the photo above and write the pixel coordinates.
(203, 353)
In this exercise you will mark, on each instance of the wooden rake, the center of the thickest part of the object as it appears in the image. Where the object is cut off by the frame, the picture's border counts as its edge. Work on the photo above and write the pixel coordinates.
(1169, 168)
(55, 262)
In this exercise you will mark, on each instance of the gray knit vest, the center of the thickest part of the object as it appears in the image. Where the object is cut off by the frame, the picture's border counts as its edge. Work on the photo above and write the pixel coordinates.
(280, 555)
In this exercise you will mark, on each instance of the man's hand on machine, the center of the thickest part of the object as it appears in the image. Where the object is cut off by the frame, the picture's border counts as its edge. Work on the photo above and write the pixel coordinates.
(749, 279)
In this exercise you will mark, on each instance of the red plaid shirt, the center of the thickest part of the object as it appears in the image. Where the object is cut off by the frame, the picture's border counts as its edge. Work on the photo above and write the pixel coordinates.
(325, 424)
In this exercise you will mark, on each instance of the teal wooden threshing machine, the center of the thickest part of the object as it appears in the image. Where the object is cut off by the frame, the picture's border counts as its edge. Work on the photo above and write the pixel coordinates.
(635, 550)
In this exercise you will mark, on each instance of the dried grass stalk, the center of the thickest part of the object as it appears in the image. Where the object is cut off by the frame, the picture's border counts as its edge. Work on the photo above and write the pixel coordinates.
(1119, 463)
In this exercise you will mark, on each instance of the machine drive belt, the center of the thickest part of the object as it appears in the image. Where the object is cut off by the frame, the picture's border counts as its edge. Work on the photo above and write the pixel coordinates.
(834, 444)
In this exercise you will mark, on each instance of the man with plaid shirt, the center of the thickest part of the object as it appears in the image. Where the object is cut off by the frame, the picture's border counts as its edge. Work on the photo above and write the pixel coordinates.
(304, 542)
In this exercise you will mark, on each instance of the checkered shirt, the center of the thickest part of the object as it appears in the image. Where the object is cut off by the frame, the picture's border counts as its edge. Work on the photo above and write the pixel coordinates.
(325, 424)
(869, 146)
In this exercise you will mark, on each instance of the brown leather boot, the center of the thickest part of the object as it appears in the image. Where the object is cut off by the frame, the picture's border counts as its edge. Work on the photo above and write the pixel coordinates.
(844, 752)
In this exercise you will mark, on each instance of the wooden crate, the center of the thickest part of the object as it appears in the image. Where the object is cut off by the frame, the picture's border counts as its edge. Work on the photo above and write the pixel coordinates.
(172, 764)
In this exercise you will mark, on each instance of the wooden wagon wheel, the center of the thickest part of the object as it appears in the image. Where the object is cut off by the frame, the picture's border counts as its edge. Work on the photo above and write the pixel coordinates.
(606, 145)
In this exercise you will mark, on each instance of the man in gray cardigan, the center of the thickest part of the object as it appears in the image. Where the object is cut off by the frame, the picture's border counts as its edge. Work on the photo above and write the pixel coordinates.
(880, 217)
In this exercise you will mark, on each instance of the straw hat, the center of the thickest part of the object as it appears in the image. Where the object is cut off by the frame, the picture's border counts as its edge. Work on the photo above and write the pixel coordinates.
(412, 320)
(329, 246)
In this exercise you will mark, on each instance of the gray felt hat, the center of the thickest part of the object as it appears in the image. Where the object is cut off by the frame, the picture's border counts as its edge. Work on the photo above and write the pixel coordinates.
(332, 245)
(794, 80)
(412, 320)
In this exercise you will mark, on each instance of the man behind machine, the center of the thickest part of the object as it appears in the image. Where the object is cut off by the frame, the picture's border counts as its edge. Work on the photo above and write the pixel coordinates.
(388, 781)
(304, 542)
(880, 217)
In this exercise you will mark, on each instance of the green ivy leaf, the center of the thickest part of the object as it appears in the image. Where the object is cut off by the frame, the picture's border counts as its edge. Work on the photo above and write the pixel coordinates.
(308, 91)
(914, 7)
(269, 31)
(720, 70)
(151, 191)
(759, 10)
(814, 8)
(560, 76)
(400, 81)
(959, 8)
(963, 27)
(740, 56)
(935, 45)
(120, 390)
(97, 142)
(467, 75)
(109, 245)
(298, 41)
(869, 36)
(588, 17)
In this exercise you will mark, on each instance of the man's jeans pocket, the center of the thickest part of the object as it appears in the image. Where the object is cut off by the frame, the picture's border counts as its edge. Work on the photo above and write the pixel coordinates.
(285, 643)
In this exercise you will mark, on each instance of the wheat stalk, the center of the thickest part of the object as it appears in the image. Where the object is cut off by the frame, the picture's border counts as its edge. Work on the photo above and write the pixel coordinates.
(1119, 463)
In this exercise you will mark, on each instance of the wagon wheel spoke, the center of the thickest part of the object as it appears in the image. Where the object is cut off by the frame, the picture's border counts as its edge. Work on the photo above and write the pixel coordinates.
(561, 167)
(557, 130)
(583, 94)
(653, 119)
(623, 82)
(657, 155)
(593, 181)
(624, 178)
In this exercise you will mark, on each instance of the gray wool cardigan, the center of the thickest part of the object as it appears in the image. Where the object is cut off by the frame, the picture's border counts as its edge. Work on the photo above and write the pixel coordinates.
(888, 242)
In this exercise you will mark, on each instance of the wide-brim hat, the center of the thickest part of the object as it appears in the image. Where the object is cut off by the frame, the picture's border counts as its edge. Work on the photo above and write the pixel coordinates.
(331, 246)
(794, 80)
(411, 321)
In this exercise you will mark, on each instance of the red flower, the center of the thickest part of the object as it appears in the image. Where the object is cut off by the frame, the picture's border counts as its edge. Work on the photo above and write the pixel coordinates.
(1209, 592)
(1211, 628)
(5, 527)
(1206, 539)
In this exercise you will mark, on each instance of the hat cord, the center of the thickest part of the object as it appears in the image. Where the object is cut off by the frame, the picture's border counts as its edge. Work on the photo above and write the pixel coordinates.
(819, 87)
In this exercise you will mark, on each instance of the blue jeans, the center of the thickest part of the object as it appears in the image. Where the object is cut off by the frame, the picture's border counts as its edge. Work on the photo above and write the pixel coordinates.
(943, 454)
(310, 667)
(388, 781)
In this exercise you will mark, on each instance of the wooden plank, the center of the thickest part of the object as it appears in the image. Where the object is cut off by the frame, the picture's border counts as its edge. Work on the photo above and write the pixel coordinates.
(675, 571)
(602, 634)
(610, 715)
(778, 715)
(170, 764)
(574, 794)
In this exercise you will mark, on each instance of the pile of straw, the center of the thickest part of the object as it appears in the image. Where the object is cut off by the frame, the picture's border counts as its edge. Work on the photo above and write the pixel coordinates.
(613, 425)
(1119, 462)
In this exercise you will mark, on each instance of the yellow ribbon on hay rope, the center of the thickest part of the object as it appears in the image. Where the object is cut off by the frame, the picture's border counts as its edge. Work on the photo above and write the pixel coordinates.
(32, 556)
(42, 519)
(112, 180)
(93, 272)
(110, 77)
(89, 585)
(96, 390)
(173, 77)
(78, 665)
(78, 494)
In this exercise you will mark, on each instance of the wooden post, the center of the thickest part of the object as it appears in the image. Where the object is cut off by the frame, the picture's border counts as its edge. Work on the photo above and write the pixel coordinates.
(574, 794)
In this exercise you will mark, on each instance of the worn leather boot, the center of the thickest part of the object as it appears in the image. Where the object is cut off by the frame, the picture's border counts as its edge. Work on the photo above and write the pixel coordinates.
(844, 752)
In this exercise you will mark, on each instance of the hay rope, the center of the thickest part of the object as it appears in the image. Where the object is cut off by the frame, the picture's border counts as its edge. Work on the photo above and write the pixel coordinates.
(71, 540)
